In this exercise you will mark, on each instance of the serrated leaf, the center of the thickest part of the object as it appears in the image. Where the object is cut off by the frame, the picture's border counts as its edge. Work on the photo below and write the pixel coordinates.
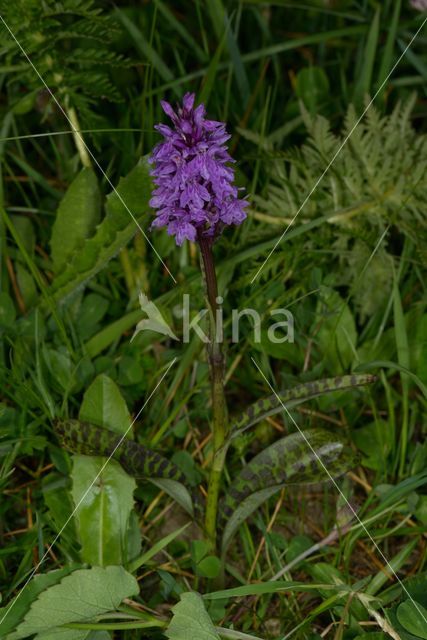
(191, 620)
(113, 233)
(14, 612)
(80, 597)
(288, 461)
(76, 218)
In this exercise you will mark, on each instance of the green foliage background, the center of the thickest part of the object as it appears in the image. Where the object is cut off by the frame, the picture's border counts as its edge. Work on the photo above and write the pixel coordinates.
(291, 79)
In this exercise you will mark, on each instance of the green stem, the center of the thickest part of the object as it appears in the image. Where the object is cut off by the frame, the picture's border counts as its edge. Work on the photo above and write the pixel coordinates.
(113, 626)
(81, 147)
(219, 407)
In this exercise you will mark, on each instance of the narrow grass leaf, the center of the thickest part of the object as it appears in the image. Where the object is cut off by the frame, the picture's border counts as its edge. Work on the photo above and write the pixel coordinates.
(145, 49)
(212, 70)
(179, 27)
(263, 588)
(237, 62)
(156, 548)
(387, 59)
(363, 84)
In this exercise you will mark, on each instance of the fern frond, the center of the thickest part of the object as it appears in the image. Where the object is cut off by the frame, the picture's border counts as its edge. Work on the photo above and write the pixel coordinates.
(379, 179)
(70, 45)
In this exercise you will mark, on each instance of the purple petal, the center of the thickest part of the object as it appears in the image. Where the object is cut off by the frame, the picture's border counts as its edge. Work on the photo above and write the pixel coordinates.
(168, 109)
(188, 101)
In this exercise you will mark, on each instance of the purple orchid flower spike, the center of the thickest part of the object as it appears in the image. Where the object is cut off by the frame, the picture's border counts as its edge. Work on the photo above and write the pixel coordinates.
(194, 196)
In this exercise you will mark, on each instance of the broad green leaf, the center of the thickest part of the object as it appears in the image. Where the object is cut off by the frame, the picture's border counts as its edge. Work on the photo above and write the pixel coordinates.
(204, 564)
(7, 310)
(104, 513)
(191, 620)
(311, 456)
(26, 284)
(375, 441)
(15, 611)
(79, 597)
(58, 500)
(135, 458)
(64, 634)
(25, 230)
(60, 368)
(104, 405)
(92, 310)
(113, 233)
(77, 216)
(413, 617)
(103, 510)
(209, 567)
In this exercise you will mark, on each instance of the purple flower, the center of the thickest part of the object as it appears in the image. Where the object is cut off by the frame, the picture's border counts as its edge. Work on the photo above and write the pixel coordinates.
(194, 193)
(421, 5)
